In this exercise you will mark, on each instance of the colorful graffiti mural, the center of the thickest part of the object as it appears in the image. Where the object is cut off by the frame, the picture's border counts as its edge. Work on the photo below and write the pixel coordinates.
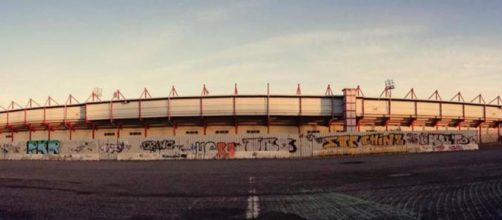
(43, 147)
(248, 146)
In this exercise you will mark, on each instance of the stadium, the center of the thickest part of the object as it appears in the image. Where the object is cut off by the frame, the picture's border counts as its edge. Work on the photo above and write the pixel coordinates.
(285, 122)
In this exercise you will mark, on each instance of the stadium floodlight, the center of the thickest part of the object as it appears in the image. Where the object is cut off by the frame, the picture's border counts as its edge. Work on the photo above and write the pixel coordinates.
(98, 92)
(389, 84)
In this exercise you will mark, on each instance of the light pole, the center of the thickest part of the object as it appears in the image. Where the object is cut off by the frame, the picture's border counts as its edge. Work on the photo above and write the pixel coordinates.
(389, 86)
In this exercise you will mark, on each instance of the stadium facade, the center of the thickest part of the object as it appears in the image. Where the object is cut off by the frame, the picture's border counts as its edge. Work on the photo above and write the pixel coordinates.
(123, 118)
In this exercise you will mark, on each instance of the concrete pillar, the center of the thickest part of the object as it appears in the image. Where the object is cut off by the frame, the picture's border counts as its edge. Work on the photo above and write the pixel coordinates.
(349, 109)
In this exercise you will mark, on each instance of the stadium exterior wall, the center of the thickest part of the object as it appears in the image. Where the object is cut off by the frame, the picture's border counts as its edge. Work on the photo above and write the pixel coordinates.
(237, 115)
(240, 146)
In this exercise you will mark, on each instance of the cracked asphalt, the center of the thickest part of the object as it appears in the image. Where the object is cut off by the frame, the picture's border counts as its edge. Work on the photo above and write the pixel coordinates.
(454, 185)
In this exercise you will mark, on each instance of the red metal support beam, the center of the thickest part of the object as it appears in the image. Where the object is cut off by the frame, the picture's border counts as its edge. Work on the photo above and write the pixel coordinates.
(268, 108)
(480, 130)
(117, 96)
(300, 112)
(204, 124)
(69, 101)
(169, 109)
(498, 132)
(12, 106)
(411, 94)
(458, 98)
(71, 129)
(173, 92)
(144, 95)
(435, 96)
(359, 91)
(93, 131)
(204, 92)
(119, 128)
(497, 101)
(49, 129)
(479, 99)
(93, 97)
(234, 110)
(387, 92)
(146, 130)
(329, 91)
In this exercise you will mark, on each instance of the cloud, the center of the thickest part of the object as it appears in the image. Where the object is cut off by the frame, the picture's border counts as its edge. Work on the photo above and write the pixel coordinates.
(224, 12)
(345, 58)
(300, 56)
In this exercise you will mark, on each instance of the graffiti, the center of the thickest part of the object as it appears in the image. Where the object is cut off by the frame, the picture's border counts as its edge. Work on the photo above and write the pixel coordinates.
(43, 147)
(354, 141)
(157, 145)
(391, 139)
(248, 147)
(9, 148)
(117, 147)
(83, 147)
(177, 151)
(226, 150)
(201, 146)
(438, 139)
(269, 144)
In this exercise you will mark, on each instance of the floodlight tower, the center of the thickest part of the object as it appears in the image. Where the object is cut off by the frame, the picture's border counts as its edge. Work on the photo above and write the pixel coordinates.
(389, 86)
(98, 92)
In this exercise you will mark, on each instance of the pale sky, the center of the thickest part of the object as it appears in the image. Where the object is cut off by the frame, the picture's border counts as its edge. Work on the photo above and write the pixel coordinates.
(61, 47)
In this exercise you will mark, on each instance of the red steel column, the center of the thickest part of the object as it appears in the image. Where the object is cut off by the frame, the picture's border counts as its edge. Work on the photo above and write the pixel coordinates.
(48, 132)
(480, 129)
(498, 131)
(268, 108)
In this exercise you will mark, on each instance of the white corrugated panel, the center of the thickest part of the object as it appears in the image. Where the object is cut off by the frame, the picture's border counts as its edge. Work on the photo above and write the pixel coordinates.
(452, 110)
(34, 115)
(98, 111)
(472, 111)
(75, 113)
(359, 107)
(251, 106)
(285, 106)
(402, 107)
(317, 106)
(494, 112)
(3, 119)
(185, 107)
(218, 106)
(16, 117)
(428, 109)
(154, 108)
(375, 107)
(127, 109)
(54, 114)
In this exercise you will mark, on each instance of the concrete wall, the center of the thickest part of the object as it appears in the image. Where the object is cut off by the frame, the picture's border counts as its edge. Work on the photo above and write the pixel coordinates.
(240, 146)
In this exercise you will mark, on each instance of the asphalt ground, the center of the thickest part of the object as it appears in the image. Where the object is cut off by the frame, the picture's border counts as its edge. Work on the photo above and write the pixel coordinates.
(454, 185)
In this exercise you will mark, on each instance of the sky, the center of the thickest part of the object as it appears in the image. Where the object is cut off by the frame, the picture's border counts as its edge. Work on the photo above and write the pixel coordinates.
(54, 48)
